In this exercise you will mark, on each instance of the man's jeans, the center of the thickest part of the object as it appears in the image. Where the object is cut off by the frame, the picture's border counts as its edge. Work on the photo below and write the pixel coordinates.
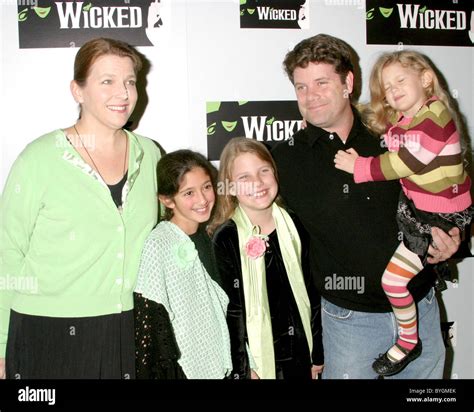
(352, 340)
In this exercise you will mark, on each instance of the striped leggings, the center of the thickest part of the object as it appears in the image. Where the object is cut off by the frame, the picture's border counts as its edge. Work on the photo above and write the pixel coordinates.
(403, 266)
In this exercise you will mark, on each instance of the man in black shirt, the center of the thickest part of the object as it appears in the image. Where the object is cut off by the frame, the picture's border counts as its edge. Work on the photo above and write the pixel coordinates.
(352, 226)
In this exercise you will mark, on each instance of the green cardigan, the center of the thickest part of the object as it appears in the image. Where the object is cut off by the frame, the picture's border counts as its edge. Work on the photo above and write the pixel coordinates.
(65, 248)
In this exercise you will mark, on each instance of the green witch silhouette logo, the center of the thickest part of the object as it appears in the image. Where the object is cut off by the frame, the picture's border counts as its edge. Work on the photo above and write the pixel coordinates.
(385, 12)
(43, 12)
(228, 125)
(244, 10)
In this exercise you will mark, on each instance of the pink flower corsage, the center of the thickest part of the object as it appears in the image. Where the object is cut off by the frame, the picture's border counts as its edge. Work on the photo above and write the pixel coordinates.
(256, 246)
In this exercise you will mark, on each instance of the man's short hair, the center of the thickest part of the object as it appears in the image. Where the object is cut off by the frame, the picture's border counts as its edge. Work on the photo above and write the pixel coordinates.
(321, 48)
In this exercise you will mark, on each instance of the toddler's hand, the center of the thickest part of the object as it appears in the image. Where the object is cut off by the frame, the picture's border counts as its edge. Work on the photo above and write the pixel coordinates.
(345, 160)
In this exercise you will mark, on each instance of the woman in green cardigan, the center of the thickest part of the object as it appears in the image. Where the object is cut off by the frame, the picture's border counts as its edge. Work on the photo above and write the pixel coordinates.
(75, 211)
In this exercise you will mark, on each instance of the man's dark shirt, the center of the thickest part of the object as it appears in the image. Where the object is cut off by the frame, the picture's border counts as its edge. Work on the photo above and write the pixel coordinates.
(352, 226)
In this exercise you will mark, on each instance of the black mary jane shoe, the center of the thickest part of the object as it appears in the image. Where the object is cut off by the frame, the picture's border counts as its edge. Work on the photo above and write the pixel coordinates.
(385, 367)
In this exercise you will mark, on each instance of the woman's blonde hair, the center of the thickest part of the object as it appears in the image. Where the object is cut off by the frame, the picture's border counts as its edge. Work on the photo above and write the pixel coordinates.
(378, 113)
(226, 201)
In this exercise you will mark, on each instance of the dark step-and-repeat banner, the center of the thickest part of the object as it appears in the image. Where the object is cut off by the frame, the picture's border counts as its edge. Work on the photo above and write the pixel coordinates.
(411, 23)
(431, 23)
(45, 24)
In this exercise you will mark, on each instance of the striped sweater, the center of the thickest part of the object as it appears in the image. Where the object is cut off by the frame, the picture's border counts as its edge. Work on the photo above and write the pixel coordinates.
(425, 154)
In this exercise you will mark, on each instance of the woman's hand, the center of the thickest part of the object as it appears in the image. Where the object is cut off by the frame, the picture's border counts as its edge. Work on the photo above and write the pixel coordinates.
(2, 368)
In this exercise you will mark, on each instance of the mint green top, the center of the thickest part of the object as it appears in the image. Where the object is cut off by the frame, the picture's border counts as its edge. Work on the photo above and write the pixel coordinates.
(172, 274)
(65, 248)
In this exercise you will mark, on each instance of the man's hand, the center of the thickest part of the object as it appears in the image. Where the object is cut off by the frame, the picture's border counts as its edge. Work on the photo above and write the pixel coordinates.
(444, 244)
(345, 160)
(315, 370)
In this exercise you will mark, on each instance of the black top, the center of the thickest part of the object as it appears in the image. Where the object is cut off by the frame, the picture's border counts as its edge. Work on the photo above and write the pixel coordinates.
(116, 190)
(203, 244)
(289, 338)
(352, 227)
(157, 352)
(287, 327)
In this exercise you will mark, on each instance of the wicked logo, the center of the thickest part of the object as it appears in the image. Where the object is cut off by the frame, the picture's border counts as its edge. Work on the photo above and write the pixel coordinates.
(269, 122)
(274, 14)
(427, 22)
(72, 23)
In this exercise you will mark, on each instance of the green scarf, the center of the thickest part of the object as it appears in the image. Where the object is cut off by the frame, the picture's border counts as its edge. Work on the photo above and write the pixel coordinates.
(257, 310)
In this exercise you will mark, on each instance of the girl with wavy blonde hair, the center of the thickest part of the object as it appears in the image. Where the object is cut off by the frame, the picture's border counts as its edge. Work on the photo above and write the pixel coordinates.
(380, 113)
(408, 103)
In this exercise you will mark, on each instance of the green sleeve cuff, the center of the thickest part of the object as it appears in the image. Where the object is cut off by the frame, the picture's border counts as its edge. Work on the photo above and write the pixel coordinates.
(3, 349)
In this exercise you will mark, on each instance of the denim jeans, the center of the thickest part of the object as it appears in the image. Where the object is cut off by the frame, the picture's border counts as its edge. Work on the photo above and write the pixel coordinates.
(352, 340)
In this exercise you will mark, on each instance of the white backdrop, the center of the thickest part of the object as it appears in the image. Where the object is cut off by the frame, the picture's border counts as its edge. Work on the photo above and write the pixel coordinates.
(204, 55)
